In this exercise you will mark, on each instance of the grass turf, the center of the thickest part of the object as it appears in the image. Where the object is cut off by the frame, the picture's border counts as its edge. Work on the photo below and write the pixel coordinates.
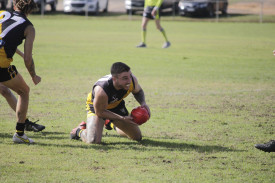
(211, 95)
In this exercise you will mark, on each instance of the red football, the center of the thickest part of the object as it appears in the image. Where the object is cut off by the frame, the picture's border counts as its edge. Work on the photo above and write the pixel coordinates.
(140, 115)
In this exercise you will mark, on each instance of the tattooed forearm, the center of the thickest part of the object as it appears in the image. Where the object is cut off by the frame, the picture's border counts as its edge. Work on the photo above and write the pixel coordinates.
(31, 68)
(139, 96)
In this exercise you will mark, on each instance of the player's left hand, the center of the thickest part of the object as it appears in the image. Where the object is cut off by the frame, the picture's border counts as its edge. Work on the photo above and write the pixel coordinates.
(154, 12)
(147, 108)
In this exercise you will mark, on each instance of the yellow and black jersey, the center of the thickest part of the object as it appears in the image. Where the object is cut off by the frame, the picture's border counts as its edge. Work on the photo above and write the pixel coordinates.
(115, 97)
(12, 28)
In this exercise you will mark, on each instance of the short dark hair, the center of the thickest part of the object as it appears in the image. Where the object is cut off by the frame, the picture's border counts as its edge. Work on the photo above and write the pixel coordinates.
(119, 67)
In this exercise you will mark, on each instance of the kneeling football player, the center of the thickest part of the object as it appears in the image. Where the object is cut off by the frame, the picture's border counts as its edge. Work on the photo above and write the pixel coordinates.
(105, 101)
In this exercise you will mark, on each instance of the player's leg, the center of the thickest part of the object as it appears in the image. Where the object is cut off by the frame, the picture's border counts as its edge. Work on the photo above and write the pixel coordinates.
(157, 21)
(144, 28)
(93, 132)
(167, 43)
(132, 131)
(8, 95)
(18, 85)
(144, 23)
(12, 101)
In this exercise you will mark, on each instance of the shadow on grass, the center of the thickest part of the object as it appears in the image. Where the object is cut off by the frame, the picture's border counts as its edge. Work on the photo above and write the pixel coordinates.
(37, 135)
(147, 144)
(167, 145)
(144, 145)
(185, 146)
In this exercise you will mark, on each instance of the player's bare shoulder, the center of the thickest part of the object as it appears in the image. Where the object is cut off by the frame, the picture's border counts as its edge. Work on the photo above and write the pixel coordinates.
(99, 90)
(100, 98)
(135, 79)
(30, 31)
(100, 93)
(137, 86)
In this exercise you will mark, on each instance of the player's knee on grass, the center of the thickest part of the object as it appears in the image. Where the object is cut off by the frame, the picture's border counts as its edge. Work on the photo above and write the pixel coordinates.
(94, 128)
(136, 135)
(88, 139)
(137, 138)
(130, 131)
(92, 141)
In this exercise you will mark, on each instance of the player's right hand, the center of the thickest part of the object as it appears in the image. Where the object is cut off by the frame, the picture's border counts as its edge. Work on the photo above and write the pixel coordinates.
(36, 79)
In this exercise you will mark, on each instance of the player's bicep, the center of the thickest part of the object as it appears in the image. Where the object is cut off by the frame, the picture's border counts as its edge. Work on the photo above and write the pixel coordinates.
(28, 46)
(100, 100)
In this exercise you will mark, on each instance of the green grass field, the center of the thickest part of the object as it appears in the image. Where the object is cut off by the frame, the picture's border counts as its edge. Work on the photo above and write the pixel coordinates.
(212, 98)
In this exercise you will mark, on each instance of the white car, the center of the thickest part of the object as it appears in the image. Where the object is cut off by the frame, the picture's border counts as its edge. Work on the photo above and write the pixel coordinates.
(80, 6)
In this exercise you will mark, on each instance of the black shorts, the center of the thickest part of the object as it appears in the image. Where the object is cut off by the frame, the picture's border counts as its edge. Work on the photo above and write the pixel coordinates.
(8, 73)
(147, 13)
(120, 109)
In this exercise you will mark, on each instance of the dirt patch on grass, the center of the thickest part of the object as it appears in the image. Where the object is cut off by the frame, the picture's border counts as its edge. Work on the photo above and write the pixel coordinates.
(267, 7)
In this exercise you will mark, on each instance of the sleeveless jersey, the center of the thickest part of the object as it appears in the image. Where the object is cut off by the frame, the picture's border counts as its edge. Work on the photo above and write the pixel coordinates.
(12, 28)
(115, 97)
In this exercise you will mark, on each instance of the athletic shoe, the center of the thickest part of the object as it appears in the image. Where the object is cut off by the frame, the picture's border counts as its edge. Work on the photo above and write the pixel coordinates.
(81, 126)
(267, 147)
(108, 124)
(32, 126)
(141, 45)
(73, 134)
(22, 139)
(166, 44)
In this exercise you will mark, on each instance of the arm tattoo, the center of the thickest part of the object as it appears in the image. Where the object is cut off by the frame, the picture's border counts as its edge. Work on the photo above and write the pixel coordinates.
(139, 96)
(31, 69)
